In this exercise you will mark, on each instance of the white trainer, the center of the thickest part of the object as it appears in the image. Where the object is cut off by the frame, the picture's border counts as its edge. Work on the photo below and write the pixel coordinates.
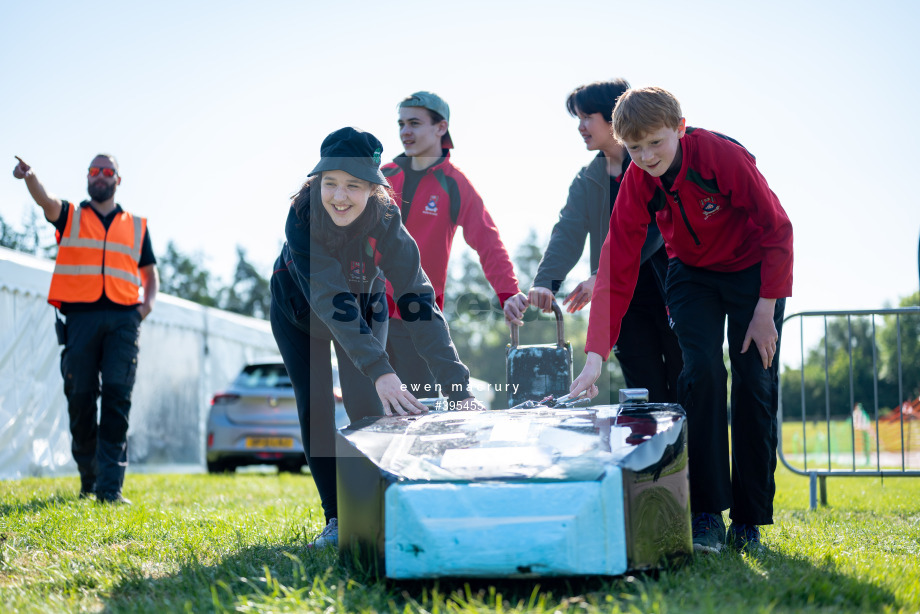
(329, 536)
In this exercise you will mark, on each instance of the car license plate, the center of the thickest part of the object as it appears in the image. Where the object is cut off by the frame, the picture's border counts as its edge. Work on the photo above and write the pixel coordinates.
(269, 442)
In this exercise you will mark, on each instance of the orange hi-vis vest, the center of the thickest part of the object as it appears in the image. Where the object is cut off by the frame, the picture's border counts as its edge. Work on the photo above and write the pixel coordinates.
(92, 260)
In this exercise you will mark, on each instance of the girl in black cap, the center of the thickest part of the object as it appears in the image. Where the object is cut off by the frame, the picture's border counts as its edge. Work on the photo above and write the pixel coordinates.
(343, 235)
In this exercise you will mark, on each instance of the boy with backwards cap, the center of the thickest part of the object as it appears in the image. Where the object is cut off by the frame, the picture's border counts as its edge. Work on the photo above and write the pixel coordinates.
(435, 199)
(730, 247)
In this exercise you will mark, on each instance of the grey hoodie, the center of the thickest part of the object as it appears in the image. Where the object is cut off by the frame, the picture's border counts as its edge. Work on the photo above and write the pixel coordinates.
(587, 213)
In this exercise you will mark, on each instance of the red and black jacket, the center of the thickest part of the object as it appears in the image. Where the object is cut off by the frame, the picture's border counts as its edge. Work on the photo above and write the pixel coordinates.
(444, 200)
(719, 215)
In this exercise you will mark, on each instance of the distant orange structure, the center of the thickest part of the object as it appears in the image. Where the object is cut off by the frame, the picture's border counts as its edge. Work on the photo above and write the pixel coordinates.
(910, 410)
(892, 437)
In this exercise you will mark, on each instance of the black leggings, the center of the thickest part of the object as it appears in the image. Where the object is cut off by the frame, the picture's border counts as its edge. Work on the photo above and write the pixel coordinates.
(309, 364)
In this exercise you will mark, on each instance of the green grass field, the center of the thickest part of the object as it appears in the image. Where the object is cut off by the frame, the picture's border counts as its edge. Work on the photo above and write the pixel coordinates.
(202, 543)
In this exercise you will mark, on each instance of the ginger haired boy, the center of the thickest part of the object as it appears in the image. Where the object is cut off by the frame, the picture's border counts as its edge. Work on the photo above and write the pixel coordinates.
(729, 244)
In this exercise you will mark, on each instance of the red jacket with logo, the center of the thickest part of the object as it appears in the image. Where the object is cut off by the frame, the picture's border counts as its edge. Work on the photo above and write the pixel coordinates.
(441, 189)
(719, 215)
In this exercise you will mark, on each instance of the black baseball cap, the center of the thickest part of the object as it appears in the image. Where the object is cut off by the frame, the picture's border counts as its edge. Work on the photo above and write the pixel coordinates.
(354, 151)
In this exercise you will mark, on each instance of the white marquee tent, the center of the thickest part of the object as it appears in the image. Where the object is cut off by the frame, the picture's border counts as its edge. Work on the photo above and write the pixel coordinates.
(187, 352)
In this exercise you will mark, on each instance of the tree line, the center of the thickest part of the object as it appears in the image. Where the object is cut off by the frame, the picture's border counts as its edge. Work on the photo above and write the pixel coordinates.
(471, 308)
(481, 336)
(840, 369)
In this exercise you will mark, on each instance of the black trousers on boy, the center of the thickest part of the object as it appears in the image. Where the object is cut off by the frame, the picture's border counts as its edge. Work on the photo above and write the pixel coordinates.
(309, 364)
(104, 344)
(647, 349)
(700, 301)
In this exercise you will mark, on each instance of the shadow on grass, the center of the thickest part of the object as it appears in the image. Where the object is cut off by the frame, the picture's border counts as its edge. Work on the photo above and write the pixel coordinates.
(38, 503)
(200, 587)
(728, 583)
(302, 579)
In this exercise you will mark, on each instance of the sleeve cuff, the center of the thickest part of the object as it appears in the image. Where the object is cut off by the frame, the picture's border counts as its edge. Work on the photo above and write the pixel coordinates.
(378, 368)
(605, 354)
(459, 395)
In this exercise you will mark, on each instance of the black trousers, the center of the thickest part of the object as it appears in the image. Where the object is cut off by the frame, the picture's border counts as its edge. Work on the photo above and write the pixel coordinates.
(405, 359)
(700, 301)
(647, 349)
(100, 344)
(309, 364)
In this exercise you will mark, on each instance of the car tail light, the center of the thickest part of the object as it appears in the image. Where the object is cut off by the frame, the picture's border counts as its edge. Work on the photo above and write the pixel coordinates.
(268, 455)
(337, 393)
(210, 440)
(223, 397)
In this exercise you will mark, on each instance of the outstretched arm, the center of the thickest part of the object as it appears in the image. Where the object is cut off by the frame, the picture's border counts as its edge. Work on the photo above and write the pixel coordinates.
(480, 233)
(414, 298)
(566, 243)
(51, 205)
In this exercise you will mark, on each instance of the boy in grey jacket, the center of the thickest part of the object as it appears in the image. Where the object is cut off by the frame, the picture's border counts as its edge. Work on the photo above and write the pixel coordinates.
(647, 349)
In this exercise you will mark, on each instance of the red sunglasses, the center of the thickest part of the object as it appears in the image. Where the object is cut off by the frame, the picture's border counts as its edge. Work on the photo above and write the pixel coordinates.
(106, 172)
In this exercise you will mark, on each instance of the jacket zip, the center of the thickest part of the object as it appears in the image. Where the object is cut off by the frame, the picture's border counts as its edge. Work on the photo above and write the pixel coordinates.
(105, 244)
(683, 214)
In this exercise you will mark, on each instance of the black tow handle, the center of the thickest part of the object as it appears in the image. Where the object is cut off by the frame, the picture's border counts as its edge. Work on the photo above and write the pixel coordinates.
(560, 329)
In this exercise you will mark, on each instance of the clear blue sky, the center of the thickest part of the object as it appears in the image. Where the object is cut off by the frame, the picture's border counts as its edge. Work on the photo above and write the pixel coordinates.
(216, 110)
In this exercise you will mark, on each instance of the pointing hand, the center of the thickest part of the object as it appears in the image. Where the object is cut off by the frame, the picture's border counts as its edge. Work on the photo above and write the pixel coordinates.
(21, 169)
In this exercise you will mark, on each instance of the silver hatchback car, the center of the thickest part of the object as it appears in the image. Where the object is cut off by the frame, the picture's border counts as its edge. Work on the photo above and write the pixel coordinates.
(254, 420)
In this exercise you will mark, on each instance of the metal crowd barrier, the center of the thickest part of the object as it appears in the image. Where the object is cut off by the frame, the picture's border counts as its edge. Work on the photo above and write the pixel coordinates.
(855, 442)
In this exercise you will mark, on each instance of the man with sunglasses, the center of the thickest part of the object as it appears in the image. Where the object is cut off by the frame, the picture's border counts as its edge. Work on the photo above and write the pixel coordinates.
(105, 282)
